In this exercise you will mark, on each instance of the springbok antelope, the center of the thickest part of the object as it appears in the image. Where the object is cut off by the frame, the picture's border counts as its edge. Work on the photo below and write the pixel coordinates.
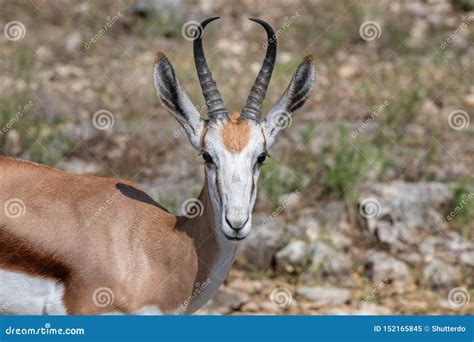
(60, 255)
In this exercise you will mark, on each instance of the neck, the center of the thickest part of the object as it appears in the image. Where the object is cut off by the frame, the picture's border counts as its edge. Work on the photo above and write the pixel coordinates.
(215, 254)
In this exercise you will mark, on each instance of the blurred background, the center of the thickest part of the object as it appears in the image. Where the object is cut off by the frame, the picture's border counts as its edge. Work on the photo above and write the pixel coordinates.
(366, 205)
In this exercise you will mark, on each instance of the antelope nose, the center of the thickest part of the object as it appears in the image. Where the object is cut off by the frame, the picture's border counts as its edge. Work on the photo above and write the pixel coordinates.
(236, 222)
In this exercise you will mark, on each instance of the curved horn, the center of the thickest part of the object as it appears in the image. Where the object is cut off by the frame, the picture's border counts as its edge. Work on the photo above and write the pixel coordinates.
(259, 89)
(215, 105)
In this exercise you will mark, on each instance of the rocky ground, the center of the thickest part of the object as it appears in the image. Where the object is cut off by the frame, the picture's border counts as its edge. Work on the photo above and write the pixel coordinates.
(366, 205)
(398, 259)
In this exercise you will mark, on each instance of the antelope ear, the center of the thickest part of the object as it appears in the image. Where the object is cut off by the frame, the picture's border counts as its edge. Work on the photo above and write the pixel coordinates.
(293, 98)
(176, 101)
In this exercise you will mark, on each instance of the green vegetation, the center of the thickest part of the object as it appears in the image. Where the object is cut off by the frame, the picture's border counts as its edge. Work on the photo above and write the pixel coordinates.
(344, 168)
(170, 202)
(461, 210)
(278, 180)
(22, 129)
(43, 141)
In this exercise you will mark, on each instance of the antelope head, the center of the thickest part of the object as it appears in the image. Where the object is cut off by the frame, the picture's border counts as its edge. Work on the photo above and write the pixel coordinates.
(233, 145)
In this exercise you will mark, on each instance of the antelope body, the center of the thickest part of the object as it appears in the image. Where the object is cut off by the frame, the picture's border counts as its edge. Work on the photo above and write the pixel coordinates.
(73, 244)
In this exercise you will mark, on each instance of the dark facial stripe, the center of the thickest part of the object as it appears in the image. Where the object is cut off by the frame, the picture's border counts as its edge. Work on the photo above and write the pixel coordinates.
(218, 188)
(204, 132)
(264, 138)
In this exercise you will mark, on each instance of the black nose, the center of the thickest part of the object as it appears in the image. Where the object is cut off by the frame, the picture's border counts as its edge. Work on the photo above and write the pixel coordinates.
(235, 226)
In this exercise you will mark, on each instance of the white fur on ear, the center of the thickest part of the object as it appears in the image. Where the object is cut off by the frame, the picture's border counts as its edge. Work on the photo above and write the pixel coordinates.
(176, 101)
(293, 98)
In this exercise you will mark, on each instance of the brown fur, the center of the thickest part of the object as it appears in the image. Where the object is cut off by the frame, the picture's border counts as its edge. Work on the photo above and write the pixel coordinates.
(159, 56)
(145, 255)
(235, 133)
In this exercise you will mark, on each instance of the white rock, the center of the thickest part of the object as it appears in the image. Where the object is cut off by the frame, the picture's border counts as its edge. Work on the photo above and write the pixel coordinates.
(228, 299)
(247, 285)
(263, 242)
(372, 309)
(404, 212)
(325, 295)
(467, 258)
(293, 256)
(79, 166)
(327, 262)
(381, 267)
(348, 71)
(13, 142)
(440, 275)
(469, 100)
(73, 42)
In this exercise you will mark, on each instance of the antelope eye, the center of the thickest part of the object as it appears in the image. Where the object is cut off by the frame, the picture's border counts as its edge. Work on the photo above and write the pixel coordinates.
(261, 158)
(207, 158)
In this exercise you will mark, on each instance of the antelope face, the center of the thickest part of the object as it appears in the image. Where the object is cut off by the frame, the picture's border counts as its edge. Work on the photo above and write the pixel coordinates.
(233, 152)
(233, 146)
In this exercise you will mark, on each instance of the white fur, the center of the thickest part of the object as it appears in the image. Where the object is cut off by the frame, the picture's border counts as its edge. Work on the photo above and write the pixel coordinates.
(148, 311)
(218, 272)
(235, 172)
(21, 294)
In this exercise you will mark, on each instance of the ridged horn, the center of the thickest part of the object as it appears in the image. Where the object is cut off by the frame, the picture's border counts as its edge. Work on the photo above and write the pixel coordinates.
(215, 105)
(252, 109)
